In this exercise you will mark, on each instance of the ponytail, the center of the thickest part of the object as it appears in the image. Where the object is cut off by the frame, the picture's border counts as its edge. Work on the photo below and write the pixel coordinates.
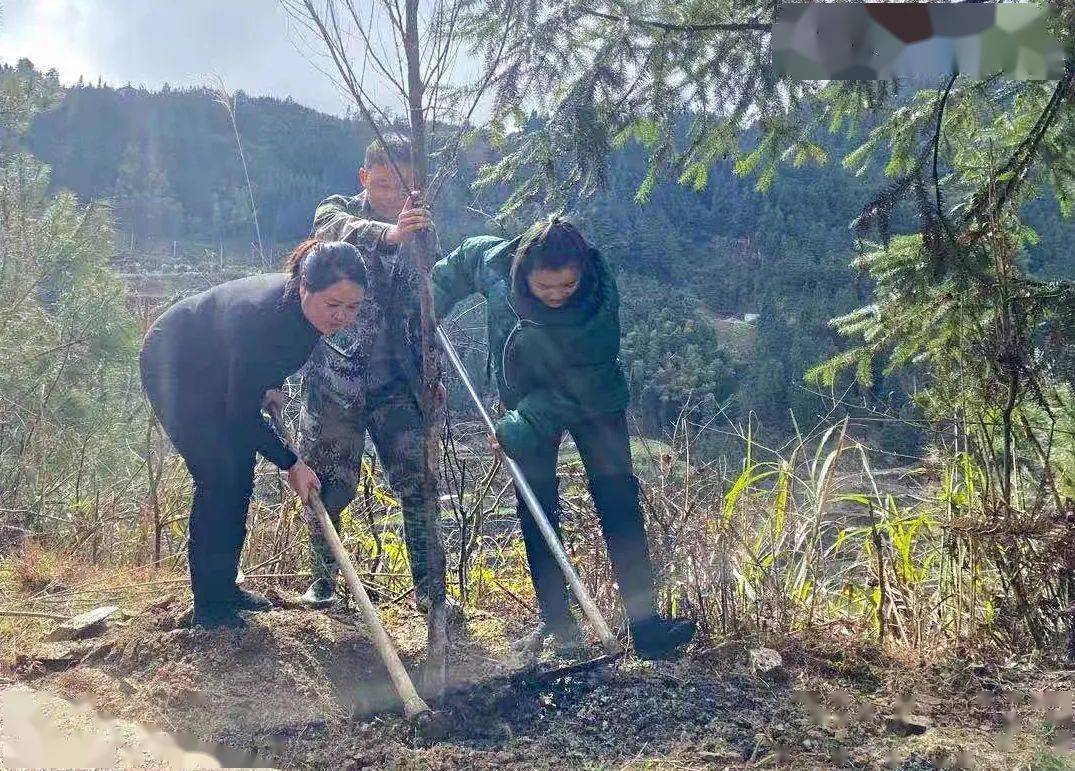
(293, 262)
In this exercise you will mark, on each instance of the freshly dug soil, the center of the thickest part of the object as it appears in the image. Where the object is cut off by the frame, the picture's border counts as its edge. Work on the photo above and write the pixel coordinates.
(304, 689)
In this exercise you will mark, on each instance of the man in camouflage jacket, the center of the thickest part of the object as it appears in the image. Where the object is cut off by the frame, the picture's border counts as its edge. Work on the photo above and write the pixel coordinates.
(369, 377)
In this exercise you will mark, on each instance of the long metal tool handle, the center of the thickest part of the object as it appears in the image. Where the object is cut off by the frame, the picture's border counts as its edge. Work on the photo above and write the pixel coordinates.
(413, 704)
(586, 602)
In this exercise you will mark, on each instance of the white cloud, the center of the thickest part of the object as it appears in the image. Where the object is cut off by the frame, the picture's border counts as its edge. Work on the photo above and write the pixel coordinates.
(47, 32)
(252, 44)
(248, 43)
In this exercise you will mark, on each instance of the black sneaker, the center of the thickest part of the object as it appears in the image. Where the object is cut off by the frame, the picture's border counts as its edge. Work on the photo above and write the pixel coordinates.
(662, 638)
(217, 616)
(321, 594)
(251, 601)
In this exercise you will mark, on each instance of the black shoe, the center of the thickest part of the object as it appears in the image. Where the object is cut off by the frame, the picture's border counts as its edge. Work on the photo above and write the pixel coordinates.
(321, 594)
(217, 616)
(251, 601)
(662, 638)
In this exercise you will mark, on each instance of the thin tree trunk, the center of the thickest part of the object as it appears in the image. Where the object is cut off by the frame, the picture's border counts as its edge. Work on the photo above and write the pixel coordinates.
(436, 666)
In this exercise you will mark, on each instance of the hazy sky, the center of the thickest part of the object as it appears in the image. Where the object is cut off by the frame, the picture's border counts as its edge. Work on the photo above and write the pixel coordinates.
(252, 44)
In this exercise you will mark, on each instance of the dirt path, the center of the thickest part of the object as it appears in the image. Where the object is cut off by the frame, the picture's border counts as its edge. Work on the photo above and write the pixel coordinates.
(43, 730)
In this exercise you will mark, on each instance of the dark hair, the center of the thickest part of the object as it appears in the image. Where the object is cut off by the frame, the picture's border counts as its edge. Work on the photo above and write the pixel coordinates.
(549, 244)
(394, 148)
(320, 264)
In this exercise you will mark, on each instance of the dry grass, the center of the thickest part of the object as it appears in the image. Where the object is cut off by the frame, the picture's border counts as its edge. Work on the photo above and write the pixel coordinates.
(799, 541)
(37, 579)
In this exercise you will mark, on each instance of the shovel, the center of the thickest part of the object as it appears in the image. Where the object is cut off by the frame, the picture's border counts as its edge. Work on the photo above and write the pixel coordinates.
(589, 607)
(413, 704)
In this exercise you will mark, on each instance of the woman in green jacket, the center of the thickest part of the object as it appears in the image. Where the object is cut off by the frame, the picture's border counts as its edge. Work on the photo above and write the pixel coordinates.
(552, 312)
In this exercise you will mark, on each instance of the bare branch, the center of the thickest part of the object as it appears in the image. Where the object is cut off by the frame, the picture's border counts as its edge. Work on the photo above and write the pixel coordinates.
(389, 76)
(343, 66)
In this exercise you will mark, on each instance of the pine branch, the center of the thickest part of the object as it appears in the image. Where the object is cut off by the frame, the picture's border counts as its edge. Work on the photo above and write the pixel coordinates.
(936, 155)
(747, 26)
(1018, 163)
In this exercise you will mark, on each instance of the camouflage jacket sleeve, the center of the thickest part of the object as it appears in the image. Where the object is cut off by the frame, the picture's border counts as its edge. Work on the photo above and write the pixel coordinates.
(339, 218)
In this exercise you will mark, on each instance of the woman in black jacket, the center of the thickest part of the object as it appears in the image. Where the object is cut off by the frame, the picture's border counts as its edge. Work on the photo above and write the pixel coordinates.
(208, 365)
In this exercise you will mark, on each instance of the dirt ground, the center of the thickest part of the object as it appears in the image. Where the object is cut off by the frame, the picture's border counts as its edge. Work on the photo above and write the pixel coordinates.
(41, 730)
(304, 689)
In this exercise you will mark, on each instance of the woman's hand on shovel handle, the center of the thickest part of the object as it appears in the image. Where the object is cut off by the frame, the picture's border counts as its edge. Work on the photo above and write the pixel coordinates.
(303, 481)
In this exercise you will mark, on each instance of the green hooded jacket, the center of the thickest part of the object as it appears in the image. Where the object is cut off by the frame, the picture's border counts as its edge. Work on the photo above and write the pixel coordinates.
(554, 366)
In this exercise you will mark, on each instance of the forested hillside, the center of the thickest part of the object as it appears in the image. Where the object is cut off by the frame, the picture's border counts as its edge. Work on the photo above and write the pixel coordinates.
(690, 260)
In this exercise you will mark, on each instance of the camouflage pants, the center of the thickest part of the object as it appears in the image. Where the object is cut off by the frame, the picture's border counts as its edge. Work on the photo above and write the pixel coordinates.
(332, 439)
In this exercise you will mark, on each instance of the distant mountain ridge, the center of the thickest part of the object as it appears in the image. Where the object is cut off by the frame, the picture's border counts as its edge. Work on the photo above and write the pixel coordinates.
(168, 161)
